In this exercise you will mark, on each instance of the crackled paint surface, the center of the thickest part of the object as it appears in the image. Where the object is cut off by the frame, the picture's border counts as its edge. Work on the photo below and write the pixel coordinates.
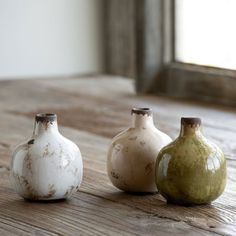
(191, 169)
(132, 154)
(48, 166)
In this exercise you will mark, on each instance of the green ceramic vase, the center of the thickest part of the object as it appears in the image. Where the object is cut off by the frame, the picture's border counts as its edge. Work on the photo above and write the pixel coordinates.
(191, 170)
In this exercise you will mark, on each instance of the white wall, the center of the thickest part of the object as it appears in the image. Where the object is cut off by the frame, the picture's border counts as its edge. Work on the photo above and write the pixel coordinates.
(50, 37)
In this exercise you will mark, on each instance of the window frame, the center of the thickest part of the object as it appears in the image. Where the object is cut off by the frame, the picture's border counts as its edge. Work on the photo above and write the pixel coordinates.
(177, 79)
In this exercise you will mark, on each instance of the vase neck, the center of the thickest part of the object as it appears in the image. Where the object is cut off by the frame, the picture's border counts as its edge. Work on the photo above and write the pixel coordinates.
(45, 123)
(190, 127)
(142, 118)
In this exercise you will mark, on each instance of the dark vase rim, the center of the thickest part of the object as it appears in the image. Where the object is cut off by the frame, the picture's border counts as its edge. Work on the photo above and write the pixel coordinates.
(45, 117)
(191, 121)
(141, 111)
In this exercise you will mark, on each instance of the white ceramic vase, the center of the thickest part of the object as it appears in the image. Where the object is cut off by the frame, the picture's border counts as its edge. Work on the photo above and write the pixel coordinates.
(132, 154)
(48, 166)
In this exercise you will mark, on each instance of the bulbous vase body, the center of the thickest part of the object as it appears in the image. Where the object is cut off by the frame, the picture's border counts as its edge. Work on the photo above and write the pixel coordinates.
(191, 169)
(48, 166)
(132, 154)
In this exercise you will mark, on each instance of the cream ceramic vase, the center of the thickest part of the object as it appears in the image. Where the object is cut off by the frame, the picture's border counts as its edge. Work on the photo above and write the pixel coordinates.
(48, 166)
(132, 154)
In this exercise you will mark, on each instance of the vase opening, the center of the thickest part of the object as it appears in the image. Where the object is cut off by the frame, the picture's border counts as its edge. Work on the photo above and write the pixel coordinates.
(142, 111)
(45, 122)
(142, 117)
(190, 121)
(190, 126)
(45, 117)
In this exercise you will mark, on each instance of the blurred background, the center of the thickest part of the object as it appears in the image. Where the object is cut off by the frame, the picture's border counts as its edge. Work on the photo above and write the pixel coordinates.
(61, 37)
(155, 42)
(49, 38)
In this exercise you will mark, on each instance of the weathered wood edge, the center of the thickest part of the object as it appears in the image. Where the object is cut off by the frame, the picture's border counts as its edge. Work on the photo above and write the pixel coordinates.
(196, 82)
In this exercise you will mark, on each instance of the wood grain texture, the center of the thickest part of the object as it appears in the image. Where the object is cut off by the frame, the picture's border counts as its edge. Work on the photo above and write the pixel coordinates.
(197, 82)
(90, 112)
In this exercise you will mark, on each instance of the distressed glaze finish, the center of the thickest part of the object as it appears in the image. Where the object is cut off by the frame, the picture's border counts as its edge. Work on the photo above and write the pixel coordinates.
(191, 169)
(48, 166)
(132, 154)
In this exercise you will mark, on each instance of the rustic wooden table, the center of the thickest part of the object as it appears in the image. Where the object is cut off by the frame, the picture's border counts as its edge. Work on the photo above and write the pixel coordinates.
(90, 112)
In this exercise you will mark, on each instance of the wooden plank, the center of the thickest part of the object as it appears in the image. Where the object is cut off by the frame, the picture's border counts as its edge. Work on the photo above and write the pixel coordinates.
(136, 222)
(99, 205)
(202, 83)
(150, 42)
(97, 183)
(120, 37)
(111, 111)
(84, 214)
